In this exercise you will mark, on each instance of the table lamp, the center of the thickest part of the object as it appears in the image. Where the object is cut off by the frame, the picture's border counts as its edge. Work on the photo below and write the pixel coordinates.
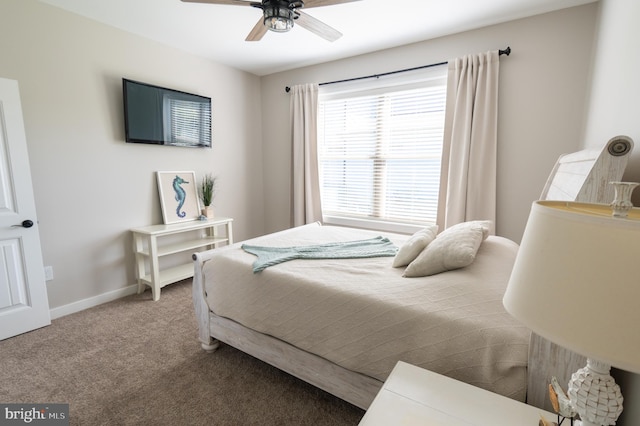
(576, 282)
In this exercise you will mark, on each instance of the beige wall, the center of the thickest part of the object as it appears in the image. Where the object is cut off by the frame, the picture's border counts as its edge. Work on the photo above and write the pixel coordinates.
(90, 186)
(543, 87)
(615, 89)
(614, 110)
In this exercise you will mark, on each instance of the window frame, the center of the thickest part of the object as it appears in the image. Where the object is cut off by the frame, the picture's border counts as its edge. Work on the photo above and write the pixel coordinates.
(430, 77)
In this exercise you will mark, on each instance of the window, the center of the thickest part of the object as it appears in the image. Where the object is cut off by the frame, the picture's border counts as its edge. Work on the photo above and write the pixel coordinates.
(380, 152)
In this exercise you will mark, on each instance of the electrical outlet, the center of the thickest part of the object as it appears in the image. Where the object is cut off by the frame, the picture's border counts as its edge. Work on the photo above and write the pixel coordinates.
(48, 273)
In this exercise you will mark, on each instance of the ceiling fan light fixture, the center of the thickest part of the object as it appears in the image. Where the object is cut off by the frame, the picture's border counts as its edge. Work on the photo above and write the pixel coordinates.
(278, 18)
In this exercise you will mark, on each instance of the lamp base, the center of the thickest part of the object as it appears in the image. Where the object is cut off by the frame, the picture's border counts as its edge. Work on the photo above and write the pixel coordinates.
(595, 395)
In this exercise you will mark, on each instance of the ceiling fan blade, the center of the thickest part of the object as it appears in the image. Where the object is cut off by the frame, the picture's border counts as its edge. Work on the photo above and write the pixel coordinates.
(232, 2)
(317, 27)
(257, 32)
(320, 3)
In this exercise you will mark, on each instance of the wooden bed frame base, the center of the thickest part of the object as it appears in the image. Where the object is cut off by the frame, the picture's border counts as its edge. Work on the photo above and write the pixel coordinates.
(355, 388)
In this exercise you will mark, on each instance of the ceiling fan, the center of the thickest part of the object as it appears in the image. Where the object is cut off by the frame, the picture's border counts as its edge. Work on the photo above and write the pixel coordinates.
(279, 15)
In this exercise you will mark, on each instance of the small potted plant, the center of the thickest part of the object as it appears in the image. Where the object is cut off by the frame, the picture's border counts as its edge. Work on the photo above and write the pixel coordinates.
(207, 192)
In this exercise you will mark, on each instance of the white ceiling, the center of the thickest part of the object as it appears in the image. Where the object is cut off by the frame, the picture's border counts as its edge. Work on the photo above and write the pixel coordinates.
(218, 31)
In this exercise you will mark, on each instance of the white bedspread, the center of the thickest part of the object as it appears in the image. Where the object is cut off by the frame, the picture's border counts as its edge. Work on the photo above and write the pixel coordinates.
(363, 315)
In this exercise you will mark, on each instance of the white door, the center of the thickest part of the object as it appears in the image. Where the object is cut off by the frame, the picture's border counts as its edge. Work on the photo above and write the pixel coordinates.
(23, 294)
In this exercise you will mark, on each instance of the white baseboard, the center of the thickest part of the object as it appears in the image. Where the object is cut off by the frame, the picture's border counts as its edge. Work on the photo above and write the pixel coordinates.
(90, 302)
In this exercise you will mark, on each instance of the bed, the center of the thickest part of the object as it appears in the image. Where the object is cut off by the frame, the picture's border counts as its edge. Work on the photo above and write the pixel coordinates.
(342, 324)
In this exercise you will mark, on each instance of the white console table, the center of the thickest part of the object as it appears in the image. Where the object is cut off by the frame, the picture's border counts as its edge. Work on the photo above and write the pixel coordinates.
(415, 396)
(148, 249)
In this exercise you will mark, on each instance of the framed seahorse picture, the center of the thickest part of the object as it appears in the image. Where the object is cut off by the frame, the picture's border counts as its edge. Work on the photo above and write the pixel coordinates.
(178, 196)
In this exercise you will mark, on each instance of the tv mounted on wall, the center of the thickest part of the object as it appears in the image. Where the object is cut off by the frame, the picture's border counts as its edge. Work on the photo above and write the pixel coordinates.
(161, 116)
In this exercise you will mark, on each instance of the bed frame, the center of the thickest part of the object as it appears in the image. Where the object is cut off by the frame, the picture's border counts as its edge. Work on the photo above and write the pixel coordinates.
(582, 176)
(352, 387)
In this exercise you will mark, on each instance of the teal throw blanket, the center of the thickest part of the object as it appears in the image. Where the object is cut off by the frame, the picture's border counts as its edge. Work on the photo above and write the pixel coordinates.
(269, 256)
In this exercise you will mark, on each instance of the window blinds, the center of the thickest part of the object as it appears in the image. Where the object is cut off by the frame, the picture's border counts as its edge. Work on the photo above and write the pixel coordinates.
(380, 153)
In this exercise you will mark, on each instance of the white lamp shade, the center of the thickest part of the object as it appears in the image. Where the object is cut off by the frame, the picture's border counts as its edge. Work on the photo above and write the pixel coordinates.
(576, 280)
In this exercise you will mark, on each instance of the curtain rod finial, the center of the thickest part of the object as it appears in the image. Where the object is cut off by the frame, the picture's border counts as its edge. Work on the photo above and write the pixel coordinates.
(287, 89)
(506, 51)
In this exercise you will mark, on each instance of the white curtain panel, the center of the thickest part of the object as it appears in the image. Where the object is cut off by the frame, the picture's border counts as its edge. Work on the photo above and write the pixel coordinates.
(305, 181)
(468, 179)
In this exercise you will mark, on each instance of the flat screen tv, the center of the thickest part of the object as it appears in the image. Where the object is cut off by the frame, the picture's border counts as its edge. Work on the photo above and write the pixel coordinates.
(156, 115)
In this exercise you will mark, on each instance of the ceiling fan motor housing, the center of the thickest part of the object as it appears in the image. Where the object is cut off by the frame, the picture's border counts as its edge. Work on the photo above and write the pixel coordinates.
(279, 14)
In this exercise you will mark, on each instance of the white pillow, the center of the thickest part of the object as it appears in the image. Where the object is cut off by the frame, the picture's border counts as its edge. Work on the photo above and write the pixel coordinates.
(453, 248)
(414, 245)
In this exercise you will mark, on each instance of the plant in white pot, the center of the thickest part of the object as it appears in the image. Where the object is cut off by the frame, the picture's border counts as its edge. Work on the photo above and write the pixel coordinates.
(207, 191)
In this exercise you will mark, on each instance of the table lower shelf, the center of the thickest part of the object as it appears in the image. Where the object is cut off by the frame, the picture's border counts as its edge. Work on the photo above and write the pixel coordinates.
(170, 275)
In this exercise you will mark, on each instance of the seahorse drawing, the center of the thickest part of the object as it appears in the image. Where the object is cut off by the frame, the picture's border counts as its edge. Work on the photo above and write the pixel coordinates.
(181, 194)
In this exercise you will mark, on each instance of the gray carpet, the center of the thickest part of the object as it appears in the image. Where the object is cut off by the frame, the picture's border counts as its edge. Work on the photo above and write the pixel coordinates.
(138, 362)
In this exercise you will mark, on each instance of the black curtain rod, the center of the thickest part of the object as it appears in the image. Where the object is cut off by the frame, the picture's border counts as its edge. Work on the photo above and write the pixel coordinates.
(506, 51)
